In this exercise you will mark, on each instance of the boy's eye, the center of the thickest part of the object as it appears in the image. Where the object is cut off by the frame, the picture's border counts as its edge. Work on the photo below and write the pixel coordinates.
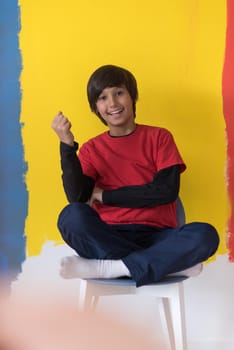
(119, 92)
(101, 97)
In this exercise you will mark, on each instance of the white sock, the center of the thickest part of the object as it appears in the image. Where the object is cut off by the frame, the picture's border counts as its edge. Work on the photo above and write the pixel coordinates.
(78, 267)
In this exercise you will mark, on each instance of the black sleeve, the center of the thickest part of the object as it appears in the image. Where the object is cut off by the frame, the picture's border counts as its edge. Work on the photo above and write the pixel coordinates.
(163, 189)
(77, 186)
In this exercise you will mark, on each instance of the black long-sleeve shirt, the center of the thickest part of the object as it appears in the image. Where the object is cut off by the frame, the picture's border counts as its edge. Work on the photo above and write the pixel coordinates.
(163, 188)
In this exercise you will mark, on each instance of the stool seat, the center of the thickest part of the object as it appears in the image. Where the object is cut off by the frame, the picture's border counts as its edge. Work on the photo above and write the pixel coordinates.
(125, 281)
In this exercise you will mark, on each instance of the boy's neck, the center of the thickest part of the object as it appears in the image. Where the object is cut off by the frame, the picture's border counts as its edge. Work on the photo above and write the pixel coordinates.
(122, 130)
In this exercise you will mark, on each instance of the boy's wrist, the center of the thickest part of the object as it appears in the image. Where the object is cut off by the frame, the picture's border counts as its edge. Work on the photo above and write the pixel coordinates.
(65, 145)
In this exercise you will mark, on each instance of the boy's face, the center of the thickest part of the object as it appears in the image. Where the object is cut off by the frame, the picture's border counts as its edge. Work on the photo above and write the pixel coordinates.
(115, 106)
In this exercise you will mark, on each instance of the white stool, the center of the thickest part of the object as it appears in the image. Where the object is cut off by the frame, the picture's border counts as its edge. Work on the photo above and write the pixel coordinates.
(169, 291)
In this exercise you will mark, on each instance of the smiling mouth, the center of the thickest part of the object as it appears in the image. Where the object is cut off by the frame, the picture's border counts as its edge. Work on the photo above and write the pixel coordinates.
(116, 112)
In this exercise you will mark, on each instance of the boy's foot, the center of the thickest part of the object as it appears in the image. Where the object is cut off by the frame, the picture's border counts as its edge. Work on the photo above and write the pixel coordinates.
(78, 267)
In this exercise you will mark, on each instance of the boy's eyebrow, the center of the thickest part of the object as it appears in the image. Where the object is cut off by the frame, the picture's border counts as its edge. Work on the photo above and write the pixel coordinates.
(122, 86)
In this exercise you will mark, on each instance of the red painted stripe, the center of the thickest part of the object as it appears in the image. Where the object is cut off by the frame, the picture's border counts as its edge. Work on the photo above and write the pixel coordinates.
(228, 110)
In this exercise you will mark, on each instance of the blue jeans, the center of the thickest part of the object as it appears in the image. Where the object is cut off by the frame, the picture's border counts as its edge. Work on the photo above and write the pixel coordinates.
(149, 253)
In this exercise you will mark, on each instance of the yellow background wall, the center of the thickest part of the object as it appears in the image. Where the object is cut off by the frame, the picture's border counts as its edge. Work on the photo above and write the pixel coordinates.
(176, 51)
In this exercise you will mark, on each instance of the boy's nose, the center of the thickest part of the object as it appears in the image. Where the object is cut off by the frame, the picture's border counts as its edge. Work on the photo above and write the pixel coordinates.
(112, 100)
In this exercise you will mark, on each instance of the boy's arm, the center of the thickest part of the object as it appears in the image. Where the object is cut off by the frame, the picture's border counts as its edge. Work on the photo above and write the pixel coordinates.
(77, 186)
(163, 189)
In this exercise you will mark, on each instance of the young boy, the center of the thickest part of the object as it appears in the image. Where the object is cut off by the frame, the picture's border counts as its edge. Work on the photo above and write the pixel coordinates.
(122, 188)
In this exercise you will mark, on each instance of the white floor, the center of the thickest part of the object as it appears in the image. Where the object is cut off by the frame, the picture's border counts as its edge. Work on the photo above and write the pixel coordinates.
(208, 298)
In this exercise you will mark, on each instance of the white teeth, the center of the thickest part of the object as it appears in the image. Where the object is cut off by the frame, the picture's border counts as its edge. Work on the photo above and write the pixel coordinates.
(116, 112)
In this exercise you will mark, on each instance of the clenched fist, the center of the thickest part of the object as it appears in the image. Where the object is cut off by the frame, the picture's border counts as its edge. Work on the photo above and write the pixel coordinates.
(62, 126)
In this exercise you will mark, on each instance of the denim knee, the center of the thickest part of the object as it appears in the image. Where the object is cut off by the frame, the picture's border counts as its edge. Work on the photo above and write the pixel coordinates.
(207, 238)
(212, 238)
(71, 216)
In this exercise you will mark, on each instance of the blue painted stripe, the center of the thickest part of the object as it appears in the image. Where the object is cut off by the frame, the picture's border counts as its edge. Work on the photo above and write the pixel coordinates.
(13, 192)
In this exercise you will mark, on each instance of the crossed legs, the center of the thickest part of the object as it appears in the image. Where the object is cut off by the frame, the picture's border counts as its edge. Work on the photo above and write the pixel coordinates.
(145, 253)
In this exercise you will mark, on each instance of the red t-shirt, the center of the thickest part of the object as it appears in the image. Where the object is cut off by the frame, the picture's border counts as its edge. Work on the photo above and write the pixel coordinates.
(134, 159)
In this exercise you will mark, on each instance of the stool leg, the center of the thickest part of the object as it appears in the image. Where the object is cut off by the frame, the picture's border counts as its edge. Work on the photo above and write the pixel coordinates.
(166, 320)
(82, 294)
(172, 311)
(87, 300)
(178, 317)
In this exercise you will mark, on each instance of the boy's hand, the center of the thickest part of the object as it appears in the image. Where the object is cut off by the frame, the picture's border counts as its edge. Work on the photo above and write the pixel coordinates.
(62, 126)
(96, 196)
